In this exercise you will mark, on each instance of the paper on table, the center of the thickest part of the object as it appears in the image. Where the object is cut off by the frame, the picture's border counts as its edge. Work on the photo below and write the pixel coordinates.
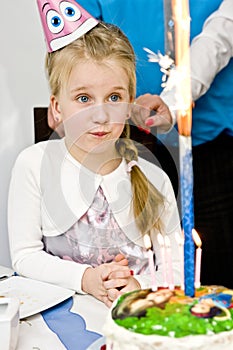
(35, 296)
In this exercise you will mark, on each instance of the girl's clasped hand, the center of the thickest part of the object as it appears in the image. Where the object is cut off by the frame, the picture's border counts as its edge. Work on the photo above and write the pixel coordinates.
(107, 281)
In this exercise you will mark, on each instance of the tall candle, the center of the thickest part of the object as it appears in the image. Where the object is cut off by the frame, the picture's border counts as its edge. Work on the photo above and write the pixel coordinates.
(163, 258)
(198, 243)
(150, 253)
(169, 263)
(180, 10)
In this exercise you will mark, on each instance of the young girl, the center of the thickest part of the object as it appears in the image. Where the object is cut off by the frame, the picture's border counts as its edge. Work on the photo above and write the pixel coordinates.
(79, 206)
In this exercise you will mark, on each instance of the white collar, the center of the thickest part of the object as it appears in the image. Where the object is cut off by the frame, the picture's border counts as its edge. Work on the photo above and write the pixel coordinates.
(69, 188)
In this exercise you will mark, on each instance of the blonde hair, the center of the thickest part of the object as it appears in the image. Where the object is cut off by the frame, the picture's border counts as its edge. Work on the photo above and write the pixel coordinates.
(104, 42)
(107, 42)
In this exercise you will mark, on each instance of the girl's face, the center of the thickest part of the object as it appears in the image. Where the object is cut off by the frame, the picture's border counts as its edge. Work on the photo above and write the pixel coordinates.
(93, 106)
(201, 308)
(160, 296)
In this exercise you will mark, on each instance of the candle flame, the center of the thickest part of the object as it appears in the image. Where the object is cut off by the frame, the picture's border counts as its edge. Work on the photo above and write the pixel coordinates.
(160, 239)
(179, 237)
(147, 241)
(196, 238)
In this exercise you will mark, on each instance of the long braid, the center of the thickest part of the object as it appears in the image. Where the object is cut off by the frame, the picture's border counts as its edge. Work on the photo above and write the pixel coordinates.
(148, 202)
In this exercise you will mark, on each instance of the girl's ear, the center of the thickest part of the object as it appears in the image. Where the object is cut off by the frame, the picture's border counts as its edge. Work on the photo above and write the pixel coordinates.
(55, 117)
(55, 110)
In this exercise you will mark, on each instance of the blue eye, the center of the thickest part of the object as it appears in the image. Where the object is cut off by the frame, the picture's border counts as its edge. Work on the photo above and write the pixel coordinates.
(114, 98)
(54, 21)
(83, 99)
(70, 11)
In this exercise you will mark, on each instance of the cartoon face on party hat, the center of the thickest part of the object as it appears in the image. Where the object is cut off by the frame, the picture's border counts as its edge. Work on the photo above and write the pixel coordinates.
(63, 22)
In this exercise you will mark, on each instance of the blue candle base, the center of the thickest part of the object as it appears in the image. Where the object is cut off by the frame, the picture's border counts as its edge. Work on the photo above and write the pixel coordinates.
(186, 177)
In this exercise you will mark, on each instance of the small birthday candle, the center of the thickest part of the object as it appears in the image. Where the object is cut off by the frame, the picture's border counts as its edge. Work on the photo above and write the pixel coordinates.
(163, 258)
(169, 262)
(147, 243)
(180, 241)
(198, 243)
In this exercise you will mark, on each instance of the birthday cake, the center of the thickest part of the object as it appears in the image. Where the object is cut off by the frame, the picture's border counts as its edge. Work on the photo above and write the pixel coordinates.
(165, 320)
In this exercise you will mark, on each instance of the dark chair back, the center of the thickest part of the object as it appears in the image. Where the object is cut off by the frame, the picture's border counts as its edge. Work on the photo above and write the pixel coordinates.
(42, 131)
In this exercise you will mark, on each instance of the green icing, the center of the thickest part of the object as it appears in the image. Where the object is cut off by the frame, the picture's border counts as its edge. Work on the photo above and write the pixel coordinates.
(174, 321)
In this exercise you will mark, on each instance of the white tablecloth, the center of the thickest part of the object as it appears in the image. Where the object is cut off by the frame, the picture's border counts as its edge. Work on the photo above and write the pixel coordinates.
(92, 310)
(34, 334)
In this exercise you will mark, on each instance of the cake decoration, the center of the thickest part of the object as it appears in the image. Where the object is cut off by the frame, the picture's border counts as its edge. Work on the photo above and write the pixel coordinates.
(154, 317)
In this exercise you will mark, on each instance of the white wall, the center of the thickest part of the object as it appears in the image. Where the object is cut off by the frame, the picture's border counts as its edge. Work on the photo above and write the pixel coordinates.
(22, 86)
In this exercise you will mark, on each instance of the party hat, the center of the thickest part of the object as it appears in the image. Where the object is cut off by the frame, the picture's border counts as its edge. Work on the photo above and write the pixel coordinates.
(63, 22)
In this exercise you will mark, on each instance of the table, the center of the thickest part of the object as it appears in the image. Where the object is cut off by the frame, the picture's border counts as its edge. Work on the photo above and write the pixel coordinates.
(36, 332)
(74, 324)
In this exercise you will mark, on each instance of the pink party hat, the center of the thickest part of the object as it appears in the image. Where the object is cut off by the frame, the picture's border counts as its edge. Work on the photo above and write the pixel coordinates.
(63, 22)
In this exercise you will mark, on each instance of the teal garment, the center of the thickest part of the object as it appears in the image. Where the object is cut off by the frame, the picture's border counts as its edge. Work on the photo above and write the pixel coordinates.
(142, 21)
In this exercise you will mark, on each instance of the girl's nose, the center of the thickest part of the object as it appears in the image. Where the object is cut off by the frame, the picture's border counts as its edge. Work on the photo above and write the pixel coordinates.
(100, 114)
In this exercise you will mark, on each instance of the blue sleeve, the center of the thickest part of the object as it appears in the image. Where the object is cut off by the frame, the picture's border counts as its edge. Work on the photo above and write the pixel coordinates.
(93, 7)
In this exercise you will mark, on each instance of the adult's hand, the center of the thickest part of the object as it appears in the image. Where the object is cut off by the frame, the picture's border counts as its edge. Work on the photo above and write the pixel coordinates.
(151, 111)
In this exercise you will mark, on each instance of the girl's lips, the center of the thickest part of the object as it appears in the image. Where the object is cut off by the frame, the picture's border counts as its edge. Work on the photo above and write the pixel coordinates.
(99, 133)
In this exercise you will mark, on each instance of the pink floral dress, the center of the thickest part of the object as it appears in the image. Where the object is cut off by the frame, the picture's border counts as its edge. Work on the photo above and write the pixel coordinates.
(96, 238)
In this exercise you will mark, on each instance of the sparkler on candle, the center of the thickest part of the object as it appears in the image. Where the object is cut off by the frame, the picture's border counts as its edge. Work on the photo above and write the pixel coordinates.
(163, 258)
(147, 243)
(180, 10)
(180, 241)
(198, 243)
(169, 262)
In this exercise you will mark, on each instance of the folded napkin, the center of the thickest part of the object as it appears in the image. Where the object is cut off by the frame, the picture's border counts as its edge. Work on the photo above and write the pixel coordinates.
(69, 327)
